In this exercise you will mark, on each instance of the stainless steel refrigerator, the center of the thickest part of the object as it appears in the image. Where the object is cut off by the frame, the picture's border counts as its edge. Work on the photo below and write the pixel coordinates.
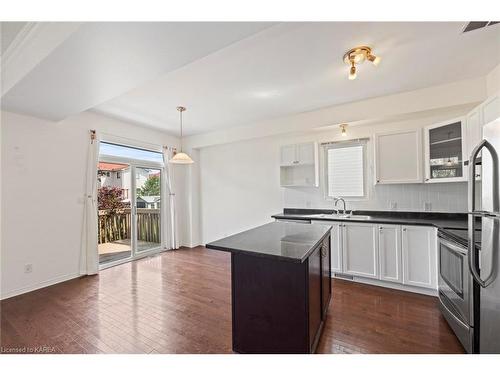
(484, 207)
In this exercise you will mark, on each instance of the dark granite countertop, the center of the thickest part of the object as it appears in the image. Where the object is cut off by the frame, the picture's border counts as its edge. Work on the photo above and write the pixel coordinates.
(292, 242)
(436, 219)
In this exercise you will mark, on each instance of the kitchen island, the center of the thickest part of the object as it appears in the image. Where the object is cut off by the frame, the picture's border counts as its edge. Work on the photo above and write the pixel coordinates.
(280, 286)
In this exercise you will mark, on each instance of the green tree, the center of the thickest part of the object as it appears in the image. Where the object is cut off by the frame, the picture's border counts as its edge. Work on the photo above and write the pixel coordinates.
(150, 187)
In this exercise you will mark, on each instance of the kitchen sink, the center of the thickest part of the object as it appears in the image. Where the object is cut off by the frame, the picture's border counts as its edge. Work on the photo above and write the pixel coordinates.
(339, 216)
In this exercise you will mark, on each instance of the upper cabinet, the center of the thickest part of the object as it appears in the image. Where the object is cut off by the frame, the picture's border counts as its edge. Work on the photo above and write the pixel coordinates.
(298, 154)
(484, 113)
(444, 149)
(299, 165)
(398, 157)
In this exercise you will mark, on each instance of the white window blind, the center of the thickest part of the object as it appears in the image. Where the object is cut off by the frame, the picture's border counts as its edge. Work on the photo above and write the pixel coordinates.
(345, 170)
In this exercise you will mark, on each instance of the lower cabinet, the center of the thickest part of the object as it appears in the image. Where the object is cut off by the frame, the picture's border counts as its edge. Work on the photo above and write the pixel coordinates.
(402, 254)
(336, 247)
(315, 307)
(419, 246)
(389, 245)
(326, 277)
(319, 290)
(360, 249)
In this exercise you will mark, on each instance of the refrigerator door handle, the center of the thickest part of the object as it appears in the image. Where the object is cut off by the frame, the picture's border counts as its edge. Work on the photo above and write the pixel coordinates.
(472, 256)
(472, 207)
(472, 172)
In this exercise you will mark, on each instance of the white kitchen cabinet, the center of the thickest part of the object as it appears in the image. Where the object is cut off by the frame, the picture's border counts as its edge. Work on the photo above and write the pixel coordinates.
(419, 256)
(473, 125)
(474, 132)
(335, 244)
(360, 249)
(299, 165)
(444, 149)
(389, 245)
(306, 153)
(298, 154)
(484, 113)
(398, 157)
(288, 155)
(336, 247)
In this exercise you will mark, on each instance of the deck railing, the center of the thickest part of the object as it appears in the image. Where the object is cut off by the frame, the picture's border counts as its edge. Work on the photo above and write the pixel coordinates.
(114, 226)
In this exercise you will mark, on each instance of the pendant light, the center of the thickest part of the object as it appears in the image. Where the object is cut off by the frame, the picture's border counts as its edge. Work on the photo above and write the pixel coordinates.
(181, 157)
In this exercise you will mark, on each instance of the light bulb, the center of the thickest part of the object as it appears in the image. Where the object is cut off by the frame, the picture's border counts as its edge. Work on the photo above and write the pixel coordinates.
(343, 130)
(374, 59)
(358, 58)
(352, 73)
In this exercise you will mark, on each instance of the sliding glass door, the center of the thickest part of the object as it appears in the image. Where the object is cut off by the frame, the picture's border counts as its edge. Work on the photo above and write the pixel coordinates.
(148, 212)
(129, 203)
(114, 212)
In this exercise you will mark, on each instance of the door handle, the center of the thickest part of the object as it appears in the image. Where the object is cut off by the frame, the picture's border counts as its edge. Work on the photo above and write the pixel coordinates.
(472, 253)
(472, 172)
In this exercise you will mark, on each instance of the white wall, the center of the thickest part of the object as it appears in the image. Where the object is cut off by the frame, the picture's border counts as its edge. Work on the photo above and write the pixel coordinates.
(493, 81)
(42, 213)
(240, 181)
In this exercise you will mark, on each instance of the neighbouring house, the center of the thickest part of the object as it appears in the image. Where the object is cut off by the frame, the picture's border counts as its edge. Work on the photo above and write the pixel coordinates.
(151, 201)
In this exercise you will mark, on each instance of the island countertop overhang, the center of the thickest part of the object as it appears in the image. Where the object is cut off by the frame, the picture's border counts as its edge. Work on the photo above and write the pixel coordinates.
(292, 242)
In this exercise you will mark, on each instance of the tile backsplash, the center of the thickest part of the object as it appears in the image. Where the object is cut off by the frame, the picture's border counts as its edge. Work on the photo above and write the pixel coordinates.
(439, 197)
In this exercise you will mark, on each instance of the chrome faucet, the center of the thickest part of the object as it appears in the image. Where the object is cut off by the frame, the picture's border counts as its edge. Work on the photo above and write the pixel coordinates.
(336, 200)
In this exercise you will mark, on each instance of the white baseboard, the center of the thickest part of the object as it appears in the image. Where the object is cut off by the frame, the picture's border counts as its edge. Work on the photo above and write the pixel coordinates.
(40, 285)
(387, 284)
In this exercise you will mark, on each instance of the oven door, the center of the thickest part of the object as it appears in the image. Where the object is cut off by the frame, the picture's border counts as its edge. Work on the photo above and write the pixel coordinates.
(454, 279)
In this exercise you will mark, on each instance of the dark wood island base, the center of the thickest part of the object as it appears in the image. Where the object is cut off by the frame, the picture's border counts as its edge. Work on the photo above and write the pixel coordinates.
(279, 304)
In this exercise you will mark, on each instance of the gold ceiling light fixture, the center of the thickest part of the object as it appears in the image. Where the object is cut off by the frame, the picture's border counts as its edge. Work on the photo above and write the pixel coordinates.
(358, 55)
(343, 130)
(181, 157)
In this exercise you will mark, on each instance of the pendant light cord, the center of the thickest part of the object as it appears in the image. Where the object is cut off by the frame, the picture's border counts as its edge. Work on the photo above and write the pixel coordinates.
(180, 114)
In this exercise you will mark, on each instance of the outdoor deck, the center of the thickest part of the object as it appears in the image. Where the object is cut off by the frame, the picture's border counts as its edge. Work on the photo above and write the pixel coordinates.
(121, 249)
(114, 239)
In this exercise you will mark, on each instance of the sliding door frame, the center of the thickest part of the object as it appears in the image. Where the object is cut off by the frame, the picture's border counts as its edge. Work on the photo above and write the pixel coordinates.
(133, 164)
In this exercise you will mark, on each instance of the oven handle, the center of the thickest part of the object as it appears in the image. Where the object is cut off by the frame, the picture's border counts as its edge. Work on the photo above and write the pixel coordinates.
(455, 318)
(454, 247)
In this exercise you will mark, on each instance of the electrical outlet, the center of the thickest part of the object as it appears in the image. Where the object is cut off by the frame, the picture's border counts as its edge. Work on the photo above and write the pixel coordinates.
(308, 204)
(28, 268)
(393, 205)
(427, 206)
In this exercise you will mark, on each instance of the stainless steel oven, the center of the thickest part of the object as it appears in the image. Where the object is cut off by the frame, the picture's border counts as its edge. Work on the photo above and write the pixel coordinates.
(456, 288)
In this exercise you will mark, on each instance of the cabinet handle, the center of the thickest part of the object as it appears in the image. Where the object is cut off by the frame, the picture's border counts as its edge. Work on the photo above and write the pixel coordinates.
(404, 229)
(426, 179)
(378, 180)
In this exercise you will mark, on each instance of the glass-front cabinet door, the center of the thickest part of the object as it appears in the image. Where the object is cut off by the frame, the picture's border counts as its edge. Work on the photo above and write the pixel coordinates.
(445, 152)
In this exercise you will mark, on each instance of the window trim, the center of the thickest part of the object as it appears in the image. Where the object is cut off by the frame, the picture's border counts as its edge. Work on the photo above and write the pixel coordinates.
(343, 144)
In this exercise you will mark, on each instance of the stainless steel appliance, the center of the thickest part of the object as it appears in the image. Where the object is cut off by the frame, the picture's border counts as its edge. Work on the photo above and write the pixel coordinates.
(484, 263)
(457, 290)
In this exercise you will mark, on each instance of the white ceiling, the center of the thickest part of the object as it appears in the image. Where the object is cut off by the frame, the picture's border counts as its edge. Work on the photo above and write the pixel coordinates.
(231, 74)
(9, 31)
(102, 60)
(296, 67)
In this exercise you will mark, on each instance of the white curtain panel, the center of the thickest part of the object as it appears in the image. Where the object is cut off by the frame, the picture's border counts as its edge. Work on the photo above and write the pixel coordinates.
(89, 257)
(170, 214)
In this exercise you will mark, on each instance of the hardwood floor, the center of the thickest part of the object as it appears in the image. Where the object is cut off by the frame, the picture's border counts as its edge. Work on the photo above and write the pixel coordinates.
(180, 302)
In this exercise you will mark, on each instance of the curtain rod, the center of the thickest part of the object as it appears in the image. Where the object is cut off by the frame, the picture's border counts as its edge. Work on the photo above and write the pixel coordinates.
(346, 141)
